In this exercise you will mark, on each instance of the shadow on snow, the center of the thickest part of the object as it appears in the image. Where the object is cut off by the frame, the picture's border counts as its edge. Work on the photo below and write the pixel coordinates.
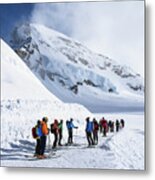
(18, 151)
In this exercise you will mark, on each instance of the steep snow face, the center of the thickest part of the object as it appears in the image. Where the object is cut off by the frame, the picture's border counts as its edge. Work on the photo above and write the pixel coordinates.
(20, 86)
(73, 72)
(17, 81)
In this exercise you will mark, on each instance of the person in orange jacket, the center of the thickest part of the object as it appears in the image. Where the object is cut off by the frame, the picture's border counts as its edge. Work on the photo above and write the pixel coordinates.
(45, 132)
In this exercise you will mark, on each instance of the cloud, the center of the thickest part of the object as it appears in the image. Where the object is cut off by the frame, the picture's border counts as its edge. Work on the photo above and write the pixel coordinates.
(115, 29)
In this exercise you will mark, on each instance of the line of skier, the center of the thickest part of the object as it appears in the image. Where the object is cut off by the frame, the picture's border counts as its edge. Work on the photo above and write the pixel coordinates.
(103, 126)
(41, 131)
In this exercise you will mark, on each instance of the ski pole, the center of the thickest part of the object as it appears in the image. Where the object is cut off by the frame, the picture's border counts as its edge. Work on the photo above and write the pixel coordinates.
(49, 141)
(64, 140)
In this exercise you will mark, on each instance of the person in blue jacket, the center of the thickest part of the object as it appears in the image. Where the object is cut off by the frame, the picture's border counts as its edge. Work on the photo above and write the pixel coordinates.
(70, 127)
(89, 131)
(38, 139)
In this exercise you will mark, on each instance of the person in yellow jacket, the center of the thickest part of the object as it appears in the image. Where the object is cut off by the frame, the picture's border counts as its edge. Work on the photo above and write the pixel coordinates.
(45, 132)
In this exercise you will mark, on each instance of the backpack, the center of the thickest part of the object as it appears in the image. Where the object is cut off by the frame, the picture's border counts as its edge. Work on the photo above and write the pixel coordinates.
(34, 134)
(52, 128)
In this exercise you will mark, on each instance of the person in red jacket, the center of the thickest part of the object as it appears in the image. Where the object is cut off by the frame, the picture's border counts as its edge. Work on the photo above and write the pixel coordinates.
(55, 132)
(100, 126)
(95, 131)
(104, 126)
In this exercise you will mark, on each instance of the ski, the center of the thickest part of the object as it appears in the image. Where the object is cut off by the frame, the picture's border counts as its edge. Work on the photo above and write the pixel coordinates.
(74, 144)
(49, 156)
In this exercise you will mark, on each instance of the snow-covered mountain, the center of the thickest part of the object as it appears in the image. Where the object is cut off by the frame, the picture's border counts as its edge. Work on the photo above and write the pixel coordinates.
(74, 73)
(19, 86)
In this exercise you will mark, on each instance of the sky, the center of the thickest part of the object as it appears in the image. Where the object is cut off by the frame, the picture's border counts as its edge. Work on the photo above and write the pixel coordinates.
(115, 29)
(11, 15)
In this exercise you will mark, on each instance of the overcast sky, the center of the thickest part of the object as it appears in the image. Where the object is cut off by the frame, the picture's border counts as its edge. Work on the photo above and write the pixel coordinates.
(115, 29)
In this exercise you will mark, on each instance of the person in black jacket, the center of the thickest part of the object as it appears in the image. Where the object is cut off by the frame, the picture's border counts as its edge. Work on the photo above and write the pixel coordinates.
(38, 139)
(70, 127)
(122, 123)
(117, 125)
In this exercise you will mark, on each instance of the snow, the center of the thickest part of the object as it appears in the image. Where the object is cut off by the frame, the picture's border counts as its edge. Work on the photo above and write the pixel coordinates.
(24, 100)
(73, 73)
(19, 84)
(17, 80)
(121, 150)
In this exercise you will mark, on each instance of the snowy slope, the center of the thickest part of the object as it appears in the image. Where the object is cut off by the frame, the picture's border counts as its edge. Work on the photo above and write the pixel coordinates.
(19, 84)
(76, 74)
(22, 104)
(25, 100)
(17, 81)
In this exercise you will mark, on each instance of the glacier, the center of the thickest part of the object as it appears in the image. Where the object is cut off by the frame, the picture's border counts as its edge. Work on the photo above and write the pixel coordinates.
(75, 74)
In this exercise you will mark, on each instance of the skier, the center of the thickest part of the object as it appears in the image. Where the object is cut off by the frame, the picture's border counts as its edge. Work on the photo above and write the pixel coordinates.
(117, 125)
(38, 139)
(104, 126)
(100, 125)
(95, 131)
(122, 123)
(70, 127)
(109, 125)
(89, 130)
(55, 131)
(60, 127)
(112, 126)
(45, 132)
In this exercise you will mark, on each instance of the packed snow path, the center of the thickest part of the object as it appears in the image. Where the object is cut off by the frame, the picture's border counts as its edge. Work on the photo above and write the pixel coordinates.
(122, 150)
